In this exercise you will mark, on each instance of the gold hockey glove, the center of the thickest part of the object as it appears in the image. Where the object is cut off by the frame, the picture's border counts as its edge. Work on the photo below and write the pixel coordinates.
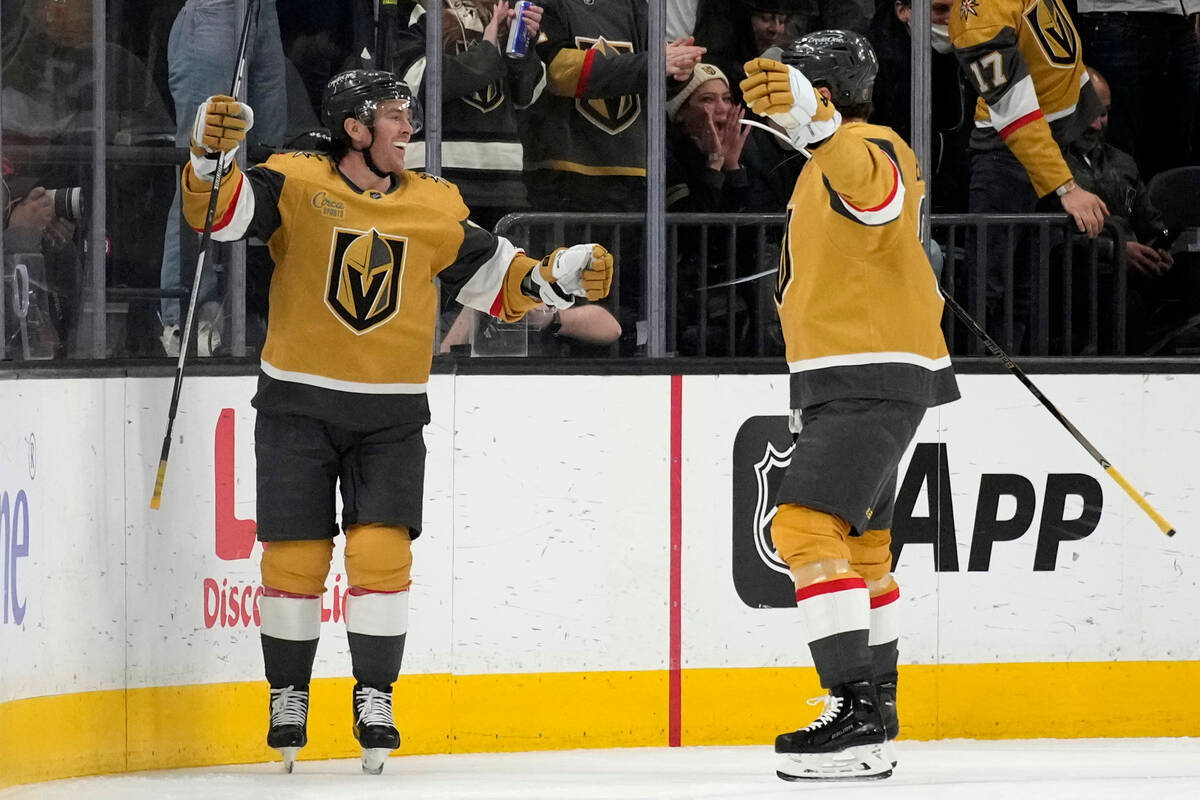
(221, 125)
(784, 94)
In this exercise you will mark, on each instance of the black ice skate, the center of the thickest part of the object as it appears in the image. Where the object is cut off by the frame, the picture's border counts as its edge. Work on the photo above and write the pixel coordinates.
(891, 720)
(374, 727)
(289, 723)
(846, 742)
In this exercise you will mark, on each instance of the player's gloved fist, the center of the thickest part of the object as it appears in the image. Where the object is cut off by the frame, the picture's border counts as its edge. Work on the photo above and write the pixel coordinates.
(582, 270)
(785, 95)
(221, 125)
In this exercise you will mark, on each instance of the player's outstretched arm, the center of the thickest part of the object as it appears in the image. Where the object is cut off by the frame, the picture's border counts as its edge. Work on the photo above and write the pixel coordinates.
(220, 126)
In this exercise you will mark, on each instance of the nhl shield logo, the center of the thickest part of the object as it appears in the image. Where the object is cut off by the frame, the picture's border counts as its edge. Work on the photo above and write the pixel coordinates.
(768, 472)
(610, 114)
(366, 269)
(762, 451)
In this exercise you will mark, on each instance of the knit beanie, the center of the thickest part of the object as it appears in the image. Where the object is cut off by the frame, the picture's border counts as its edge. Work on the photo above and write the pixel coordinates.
(701, 73)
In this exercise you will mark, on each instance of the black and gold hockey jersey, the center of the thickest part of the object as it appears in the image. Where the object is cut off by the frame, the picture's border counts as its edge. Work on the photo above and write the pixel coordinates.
(1025, 60)
(857, 299)
(590, 120)
(352, 299)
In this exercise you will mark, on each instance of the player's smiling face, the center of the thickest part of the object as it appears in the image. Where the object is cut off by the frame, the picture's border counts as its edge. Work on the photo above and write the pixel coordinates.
(393, 129)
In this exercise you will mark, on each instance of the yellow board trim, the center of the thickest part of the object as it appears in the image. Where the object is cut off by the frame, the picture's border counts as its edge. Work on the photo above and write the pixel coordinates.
(138, 729)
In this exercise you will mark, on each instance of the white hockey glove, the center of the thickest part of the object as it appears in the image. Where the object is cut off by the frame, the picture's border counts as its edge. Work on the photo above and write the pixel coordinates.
(581, 270)
(782, 93)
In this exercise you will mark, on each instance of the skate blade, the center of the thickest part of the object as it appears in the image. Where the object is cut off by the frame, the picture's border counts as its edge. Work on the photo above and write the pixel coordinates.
(289, 757)
(865, 762)
(373, 759)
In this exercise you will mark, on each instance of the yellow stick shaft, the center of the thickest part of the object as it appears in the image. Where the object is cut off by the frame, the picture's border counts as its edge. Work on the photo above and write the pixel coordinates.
(1162, 524)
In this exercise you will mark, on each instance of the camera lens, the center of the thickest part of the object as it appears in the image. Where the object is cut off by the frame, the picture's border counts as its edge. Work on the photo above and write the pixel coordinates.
(68, 203)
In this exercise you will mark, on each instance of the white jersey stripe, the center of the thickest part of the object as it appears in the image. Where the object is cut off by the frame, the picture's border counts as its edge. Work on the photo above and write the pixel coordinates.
(889, 210)
(493, 156)
(1020, 99)
(864, 359)
(322, 382)
(481, 291)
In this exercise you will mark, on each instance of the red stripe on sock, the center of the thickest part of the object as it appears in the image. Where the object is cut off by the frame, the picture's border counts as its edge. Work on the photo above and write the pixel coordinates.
(840, 585)
(885, 598)
(269, 592)
(358, 591)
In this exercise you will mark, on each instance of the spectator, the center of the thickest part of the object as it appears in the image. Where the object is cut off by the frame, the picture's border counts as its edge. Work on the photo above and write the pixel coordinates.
(39, 243)
(735, 31)
(1157, 295)
(681, 18)
(481, 93)
(200, 55)
(583, 330)
(1150, 51)
(49, 82)
(704, 147)
(1035, 98)
(952, 99)
(585, 140)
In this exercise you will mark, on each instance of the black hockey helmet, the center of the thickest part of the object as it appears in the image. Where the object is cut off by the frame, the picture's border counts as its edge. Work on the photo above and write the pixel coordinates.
(843, 61)
(357, 93)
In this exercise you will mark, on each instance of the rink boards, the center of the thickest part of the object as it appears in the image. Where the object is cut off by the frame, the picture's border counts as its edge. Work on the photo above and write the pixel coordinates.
(593, 571)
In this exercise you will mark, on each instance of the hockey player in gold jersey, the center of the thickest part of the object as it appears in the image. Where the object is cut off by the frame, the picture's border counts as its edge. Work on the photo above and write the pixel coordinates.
(357, 243)
(1024, 59)
(860, 311)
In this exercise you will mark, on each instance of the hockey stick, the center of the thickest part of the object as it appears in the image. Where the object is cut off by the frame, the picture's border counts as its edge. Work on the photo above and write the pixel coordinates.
(1136, 496)
(206, 246)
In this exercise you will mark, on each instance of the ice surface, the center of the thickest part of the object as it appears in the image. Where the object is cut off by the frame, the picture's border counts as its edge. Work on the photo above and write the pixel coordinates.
(1088, 769)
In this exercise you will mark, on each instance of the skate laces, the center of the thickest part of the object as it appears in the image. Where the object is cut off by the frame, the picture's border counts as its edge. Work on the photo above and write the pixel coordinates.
(374, 707)
(833, 704)
(289, 706)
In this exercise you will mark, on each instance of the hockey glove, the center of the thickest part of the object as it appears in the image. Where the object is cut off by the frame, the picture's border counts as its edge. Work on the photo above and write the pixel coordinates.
(783, 93)
(220, 126)
(582, 270)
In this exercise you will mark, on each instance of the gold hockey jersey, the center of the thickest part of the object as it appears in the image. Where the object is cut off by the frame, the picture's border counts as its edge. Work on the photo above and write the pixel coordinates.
(857, 299)
(352, 298)
(1025, 60)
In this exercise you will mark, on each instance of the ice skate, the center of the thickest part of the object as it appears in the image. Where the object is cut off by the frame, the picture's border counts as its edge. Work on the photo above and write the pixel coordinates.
(374, 727)
(891, 721)
(289, 723)
(846, 742)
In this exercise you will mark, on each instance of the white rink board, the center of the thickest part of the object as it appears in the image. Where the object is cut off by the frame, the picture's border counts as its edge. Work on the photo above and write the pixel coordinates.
(547, 531)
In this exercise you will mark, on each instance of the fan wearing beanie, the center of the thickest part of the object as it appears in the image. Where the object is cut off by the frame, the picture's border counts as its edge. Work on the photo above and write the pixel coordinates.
(706, 137)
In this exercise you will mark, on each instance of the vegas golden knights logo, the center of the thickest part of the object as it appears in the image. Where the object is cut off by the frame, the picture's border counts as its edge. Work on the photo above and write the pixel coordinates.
(1054, 32)
(490, 97)
(365, 272)
(610, 114)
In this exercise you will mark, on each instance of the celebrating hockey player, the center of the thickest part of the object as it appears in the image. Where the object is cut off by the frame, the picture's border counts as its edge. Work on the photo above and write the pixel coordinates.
(341, 402)
(860, 311)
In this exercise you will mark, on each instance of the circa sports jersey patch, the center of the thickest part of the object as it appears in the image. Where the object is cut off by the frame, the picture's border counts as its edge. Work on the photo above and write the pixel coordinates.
(366, 269)
(969, 7)
(328, 206)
